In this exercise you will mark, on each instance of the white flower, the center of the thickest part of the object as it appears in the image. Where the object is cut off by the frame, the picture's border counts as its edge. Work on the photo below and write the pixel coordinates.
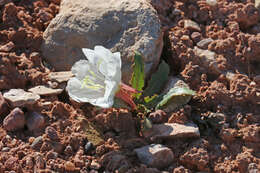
(97, 79)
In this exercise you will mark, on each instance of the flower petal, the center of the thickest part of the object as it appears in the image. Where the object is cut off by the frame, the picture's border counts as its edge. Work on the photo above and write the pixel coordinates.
(82, 94)
(108, 99)
(90, 55)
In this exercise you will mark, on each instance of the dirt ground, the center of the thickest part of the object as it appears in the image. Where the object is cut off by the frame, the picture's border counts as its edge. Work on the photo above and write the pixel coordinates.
(226, 107)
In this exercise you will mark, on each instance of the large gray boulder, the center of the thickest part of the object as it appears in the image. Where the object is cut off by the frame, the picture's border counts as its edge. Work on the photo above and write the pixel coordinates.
(124, 26)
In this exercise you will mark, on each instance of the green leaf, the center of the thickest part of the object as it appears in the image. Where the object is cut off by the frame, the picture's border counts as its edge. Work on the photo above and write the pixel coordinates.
(151, 102)
(137, 80)
(176, 97)
(158, 80)
(146, 124)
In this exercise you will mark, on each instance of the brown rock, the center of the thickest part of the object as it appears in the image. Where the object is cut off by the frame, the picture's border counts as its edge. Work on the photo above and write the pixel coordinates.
(7, 47)
(15, 120)
(159, 116)
(52, 133)
(34, 121)
(172, 130)
(69, 166)
(4, 108)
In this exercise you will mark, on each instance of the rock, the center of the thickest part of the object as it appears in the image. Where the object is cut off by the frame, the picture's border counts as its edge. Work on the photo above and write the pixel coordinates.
(257, 3)
(172, 130)
(68, 150)
(60, 77)
(52, 133)
(39, 162)
(37, 143)
(7, 47)
(9, 164)
(212, 2)
(45, 91)
(115, 161)
(69, 166)
(257, 79)
(34, 121)
(216, 120)
(123, 26)
(19, 97)
(57, 146)
(155, 155)
(191, 25)
(5, 149)
(159, 116)
(4, 108)
(52, 155)
(95, 165)
(203, 44)
(88, 147)
(207, 59)
(15, 120)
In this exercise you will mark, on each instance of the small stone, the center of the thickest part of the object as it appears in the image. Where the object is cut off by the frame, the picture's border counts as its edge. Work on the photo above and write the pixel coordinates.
(189, 24)
(4, 108)
(68, 150)
(15, 120)
(51, 155)
(5, 149)
(257, 3)
(37, 143)
(9, 164)
(203, 44)
(45, 91)
(20, 154)
(172, 130)
(196, 37)
(19, 97)
(159, 116)
(7, 47)
(207, 59)
(34, 121)
(88, 147)
(212, 2)
(155, 155)
(39, 162)
(60, 77)
(57, 147)
(52, 133)
(95, 165)
(29, 162)
(69, 166)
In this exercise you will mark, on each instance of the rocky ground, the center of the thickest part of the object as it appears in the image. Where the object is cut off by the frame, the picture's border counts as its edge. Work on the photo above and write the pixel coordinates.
(214, 48)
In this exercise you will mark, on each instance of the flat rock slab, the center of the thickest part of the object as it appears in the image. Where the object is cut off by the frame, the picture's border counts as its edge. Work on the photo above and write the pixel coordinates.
(45, 91)
(172, 130)
(122, 26)
(19, 97)
(60, 77)
(155, 155)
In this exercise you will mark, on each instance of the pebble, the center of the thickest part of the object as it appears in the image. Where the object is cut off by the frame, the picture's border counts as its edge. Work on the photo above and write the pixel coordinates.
(69, 166)
(95, 165)
(51, 155)
(60, 77)
(212, 2)
(57, 147)
(52, 133)
(68, 150)
(172, 130)
(15, 120)
(34, 121)
(7, 47)
(5, 149)
(45, 91)
(10, 162)
(155, 155)
(4, 108)
(203, 44)
(19, 97)
(88, 147)
(159, 116)
(37, 143)
(39, 161)
(189, 24)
